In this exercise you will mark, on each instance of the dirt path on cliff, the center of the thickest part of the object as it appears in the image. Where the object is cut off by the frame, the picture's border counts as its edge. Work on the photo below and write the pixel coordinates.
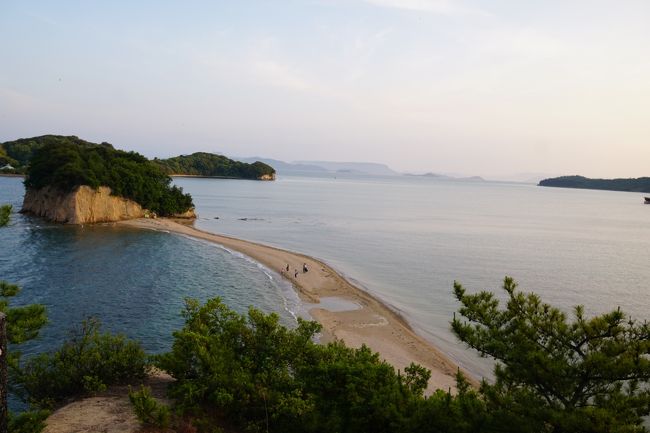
(107, 412)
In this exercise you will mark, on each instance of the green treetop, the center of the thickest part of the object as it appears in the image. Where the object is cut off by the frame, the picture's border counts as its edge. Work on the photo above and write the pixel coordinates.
(555, 374)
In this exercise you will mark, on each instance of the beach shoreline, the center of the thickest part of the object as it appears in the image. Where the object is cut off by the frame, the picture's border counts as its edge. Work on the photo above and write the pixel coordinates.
(373, 323)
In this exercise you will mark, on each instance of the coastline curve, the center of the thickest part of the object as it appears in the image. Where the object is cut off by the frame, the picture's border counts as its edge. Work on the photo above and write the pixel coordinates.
(374, 324)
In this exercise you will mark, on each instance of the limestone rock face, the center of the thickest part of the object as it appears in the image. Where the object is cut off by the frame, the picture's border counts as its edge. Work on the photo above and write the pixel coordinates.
(267, 177)
(82, 206)
(189, 214)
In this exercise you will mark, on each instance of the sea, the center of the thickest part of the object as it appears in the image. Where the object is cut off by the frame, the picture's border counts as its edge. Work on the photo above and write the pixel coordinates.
(404, 239)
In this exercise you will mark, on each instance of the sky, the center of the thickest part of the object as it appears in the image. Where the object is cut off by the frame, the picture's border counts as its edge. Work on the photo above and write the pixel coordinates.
(491, 88)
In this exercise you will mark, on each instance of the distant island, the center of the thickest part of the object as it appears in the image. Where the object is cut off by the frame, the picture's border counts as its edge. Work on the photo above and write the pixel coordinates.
(641, 184)
(212, 165)
(446, 177)
(15, 155)
(325, 167)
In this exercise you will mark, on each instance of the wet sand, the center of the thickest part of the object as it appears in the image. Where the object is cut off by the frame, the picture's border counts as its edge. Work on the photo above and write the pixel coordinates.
(372, 323)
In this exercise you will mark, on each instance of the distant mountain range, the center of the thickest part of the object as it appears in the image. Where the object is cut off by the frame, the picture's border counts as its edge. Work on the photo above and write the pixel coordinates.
(354, 167)
(282, 167)
(331, 167)
(446, 177)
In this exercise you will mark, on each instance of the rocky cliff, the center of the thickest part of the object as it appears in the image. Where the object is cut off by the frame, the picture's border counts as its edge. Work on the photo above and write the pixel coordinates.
(83, 205)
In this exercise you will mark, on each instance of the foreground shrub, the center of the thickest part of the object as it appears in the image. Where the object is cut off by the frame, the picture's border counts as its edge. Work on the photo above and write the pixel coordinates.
(265, 377)
(86, 363)
(5, 212)
(148, 410)
(555, 374)
(28, 422)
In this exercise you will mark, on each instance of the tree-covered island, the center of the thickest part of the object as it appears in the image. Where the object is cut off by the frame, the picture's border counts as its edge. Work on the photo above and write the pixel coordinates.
(65, 163)
(212, 165)
(641, 184)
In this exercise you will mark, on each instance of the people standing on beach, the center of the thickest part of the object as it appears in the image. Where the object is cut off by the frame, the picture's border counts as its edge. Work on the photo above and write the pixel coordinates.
(304, 268)
(295, 274)
(287, 267)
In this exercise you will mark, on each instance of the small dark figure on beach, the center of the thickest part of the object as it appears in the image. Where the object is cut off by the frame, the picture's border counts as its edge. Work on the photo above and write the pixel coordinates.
(304, 268)
(287, 267)
(295, 274)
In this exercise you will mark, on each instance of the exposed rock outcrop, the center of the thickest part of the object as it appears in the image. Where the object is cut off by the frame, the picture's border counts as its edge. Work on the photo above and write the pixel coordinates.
(190, 214)
(81, 206)
(267, 177)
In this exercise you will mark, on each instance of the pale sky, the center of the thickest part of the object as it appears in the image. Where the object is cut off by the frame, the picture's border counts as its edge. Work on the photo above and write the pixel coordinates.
(474, 87)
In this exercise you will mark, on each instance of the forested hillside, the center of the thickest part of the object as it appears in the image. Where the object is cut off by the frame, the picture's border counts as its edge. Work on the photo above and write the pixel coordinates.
(210, 164)
(641, 184)
(67, 162)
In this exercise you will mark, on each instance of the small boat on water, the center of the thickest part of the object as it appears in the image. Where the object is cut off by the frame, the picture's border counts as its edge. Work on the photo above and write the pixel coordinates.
(647, 200)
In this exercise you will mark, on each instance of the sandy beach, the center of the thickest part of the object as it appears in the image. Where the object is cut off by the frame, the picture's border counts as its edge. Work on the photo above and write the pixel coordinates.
(372, 323)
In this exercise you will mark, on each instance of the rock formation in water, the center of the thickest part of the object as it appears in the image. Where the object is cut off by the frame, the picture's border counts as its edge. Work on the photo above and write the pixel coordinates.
(81, 206)
(189, 214)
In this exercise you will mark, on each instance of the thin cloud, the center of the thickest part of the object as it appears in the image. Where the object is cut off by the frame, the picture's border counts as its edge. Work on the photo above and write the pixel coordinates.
(280, 75)
(441, 7)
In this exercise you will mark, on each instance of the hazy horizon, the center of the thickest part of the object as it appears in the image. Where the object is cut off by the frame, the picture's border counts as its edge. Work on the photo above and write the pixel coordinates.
(468, 87)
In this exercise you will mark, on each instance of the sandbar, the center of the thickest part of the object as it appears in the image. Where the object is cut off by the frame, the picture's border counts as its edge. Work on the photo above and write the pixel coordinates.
(373, 323)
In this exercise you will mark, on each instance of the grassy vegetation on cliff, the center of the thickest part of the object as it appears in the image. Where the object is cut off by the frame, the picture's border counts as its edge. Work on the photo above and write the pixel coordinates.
(67, 162)
(209, 164)
(641, 184)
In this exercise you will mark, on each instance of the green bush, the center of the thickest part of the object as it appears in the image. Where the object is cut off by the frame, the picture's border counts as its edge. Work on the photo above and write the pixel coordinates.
(556, 374)
(86, 363)
(28, 422)
(148, 410)
(5, 212)
(265, 377)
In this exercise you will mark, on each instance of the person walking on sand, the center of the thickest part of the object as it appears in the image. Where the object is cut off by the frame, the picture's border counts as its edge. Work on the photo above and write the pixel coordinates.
(304, 268)
(287, 267)
(295, 274)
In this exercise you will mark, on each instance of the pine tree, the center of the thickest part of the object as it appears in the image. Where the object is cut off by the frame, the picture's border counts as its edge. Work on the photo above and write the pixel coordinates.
(554, 374)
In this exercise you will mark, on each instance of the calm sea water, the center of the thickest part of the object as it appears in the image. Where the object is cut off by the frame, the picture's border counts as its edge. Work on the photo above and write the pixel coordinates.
(407, 240)
(134, 281)
(403, 239)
